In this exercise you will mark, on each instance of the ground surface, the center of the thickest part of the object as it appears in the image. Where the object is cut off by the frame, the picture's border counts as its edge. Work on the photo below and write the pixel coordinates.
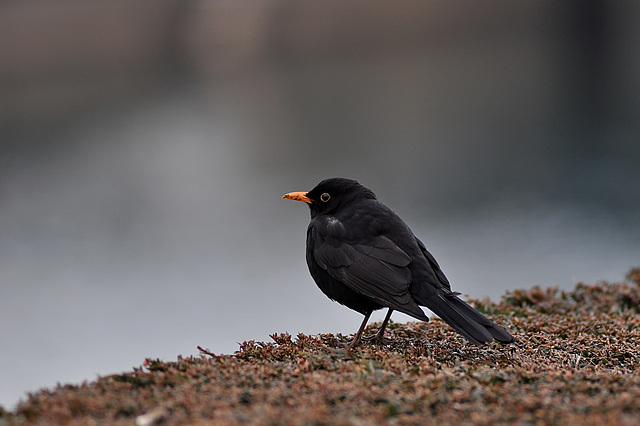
(576, 361)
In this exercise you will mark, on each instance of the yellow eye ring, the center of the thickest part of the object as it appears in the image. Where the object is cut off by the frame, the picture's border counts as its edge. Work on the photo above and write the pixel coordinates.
(325, 197)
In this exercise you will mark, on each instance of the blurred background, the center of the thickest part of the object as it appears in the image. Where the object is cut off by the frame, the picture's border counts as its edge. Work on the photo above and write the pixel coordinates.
(145, 146)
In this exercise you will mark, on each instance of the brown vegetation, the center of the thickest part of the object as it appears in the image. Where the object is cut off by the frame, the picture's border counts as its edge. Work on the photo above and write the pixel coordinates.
(575, 361)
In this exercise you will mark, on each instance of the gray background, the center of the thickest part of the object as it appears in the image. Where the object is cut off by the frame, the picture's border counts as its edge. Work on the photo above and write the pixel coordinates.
(146, 145)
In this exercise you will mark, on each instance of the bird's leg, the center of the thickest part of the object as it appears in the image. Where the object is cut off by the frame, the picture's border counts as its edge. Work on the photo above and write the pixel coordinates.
(356, 340)
(377, 338)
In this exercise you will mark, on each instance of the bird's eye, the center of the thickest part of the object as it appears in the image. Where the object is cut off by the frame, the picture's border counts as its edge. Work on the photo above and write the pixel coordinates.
(325, 197)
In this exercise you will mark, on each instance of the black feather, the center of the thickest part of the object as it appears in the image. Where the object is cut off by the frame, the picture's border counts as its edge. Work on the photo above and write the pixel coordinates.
(362, 255)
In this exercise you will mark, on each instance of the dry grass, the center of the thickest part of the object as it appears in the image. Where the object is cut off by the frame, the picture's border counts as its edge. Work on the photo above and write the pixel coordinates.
(576, 361)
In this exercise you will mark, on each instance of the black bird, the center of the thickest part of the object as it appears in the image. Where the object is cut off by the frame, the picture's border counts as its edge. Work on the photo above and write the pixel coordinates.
(362, 255)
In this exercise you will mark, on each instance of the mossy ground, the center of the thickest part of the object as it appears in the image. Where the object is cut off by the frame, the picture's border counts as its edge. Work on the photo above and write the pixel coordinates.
(576, 361)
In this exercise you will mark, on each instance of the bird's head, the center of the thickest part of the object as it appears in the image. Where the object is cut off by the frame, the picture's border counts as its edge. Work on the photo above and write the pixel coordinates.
(330, 195)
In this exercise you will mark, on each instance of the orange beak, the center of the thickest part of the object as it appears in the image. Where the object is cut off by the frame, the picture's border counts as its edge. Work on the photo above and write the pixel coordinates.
(298, 196)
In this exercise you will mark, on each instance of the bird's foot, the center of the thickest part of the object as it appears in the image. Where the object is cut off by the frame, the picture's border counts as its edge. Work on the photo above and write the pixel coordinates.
(353, 344)
(376, 339)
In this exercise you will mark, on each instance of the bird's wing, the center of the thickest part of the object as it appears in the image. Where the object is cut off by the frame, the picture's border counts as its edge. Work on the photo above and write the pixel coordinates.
(376, 268)
(434, 265)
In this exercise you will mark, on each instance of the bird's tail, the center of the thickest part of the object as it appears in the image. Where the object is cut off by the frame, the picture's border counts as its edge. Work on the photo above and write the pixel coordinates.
(467, 321)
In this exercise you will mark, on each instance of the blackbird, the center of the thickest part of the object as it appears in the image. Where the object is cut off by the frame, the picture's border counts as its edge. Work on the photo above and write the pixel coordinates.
(362, 255)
